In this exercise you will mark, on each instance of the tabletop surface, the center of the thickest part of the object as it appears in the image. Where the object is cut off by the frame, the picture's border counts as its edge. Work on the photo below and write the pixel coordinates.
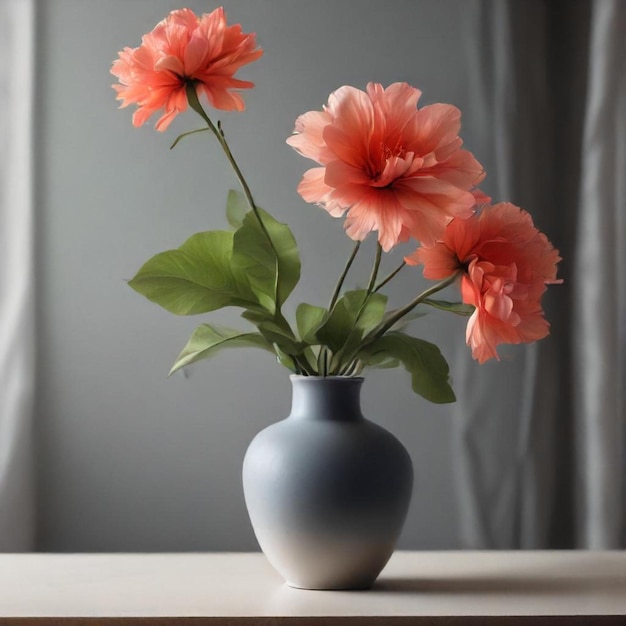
(242, 588)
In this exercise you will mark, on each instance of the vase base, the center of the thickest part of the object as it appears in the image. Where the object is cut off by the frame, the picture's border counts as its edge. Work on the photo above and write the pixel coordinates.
(319, 563)
(356, 587)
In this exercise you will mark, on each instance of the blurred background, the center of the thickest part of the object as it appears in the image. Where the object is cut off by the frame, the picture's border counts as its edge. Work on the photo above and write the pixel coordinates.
(101, 451)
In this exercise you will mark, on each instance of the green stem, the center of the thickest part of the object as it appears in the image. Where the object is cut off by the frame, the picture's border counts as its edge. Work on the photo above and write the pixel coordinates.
(400, 313)
(194, 103)
(388, 278)
(352, 364)
(304, 366)
(349, 369)
(372, 282)
(322, 361)
(342, 278)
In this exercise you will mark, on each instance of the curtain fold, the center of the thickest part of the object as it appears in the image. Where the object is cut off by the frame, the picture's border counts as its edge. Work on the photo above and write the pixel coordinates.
(17, 346)
(600, 287)
(506, 411)
(540, 443)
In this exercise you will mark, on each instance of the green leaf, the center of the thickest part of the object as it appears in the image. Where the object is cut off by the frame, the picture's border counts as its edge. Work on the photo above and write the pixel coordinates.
(454, 307)
(308, 319)
(338, 325)
(353, 315)
(207, 340)
(368, 311)
(381, 361)
(423, 360)
(275, 334)
(286, 360)
(236, 208)
(272, 272)
(276, 331)
(386, 364)
(195, 278)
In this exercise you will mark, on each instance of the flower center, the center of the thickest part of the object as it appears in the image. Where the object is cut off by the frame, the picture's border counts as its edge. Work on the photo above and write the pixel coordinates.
(397, 151)
(383, 168)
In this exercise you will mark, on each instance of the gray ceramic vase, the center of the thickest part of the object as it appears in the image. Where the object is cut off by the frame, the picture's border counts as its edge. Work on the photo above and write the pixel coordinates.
(327, 490)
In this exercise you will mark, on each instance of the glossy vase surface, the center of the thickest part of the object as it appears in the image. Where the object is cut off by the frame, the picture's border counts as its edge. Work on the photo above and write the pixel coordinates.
(327, 490)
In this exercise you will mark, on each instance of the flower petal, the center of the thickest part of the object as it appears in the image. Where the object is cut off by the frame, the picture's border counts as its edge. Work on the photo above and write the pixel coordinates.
(395, 168)
(183, 47)
(508, 264)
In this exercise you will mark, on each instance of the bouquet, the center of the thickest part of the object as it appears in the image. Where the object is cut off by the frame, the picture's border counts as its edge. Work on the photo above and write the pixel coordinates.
(386, 167)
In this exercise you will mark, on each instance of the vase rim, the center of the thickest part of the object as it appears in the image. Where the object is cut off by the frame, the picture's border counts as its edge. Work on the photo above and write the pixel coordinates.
(302, 377)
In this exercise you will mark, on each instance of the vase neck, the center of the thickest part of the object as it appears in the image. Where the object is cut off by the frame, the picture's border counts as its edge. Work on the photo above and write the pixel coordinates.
(329, 398)
(326, 398)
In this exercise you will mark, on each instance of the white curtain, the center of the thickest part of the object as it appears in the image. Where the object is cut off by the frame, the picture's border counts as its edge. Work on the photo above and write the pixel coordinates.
(16, 276)
(541, 444)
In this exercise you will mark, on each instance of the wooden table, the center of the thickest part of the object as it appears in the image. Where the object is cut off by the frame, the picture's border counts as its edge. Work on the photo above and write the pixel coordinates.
(190, 589)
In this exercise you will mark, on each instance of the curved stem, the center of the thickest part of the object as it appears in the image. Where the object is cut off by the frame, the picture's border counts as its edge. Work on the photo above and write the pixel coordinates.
(383, 282)
(342, 278)
(322, 361)
(374, 275)
(349, 369)
(194, 103)
(304, 366)
(400, 313)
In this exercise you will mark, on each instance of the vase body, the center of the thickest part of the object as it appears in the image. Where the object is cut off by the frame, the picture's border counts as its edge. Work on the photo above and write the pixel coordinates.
(327, 490)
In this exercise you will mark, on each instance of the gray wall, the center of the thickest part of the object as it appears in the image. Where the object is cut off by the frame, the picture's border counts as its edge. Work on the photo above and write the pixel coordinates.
(127, 458)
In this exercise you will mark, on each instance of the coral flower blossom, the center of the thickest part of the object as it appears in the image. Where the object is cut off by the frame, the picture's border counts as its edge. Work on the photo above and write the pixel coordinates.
(394, 168)
(506, 265)
(184, 48)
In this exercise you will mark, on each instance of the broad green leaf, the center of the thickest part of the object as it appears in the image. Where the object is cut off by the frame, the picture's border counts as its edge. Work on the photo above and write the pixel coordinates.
(284, 339)
(308, 318)
(354, 299)
(286, 360)
(207, 340)
(272, 272)
(276, 331)
(382, 360)
(203, 247)
(353, 315)
(368, 311)
(337, 327)
(423, 360)
(454, 307)
(236, 208)
(195, 278)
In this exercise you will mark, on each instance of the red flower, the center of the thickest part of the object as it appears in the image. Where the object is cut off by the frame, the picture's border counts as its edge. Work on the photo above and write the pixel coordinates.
(181, 49)
(394, 168)
(507, 264)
